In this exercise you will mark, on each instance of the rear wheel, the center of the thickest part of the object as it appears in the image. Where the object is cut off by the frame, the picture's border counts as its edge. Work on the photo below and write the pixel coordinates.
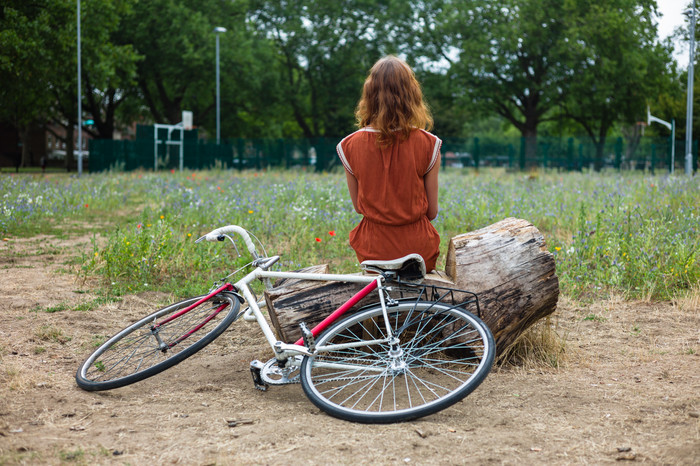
(154, 344)
(439, 355)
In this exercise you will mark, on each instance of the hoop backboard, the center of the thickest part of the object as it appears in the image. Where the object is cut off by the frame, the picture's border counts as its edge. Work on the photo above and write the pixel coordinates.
(187, 119)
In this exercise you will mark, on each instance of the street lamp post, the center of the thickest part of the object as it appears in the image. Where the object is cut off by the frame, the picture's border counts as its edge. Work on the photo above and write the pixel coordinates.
(689, 106)
(80, 107)
(218, 88)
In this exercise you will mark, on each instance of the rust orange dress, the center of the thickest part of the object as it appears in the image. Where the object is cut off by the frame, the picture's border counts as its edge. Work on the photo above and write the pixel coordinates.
(391, 195)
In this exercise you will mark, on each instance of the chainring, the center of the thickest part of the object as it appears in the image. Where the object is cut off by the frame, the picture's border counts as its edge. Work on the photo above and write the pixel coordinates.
(272, 374)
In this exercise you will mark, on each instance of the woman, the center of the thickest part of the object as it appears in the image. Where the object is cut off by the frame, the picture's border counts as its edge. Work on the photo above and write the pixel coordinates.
(391, 165)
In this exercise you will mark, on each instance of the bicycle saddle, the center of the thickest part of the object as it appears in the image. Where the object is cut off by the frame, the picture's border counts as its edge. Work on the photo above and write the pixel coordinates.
(408, 268)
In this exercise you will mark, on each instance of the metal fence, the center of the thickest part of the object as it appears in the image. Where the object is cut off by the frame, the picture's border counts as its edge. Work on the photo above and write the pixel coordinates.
(319, 154)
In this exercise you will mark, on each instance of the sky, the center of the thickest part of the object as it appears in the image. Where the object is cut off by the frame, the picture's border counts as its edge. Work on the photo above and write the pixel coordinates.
(672, 17)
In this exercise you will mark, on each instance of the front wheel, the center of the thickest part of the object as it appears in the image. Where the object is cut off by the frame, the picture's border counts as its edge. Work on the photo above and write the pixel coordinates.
(440, 354)
(157, 342)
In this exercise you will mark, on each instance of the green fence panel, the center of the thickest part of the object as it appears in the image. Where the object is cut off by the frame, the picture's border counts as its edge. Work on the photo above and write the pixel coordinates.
(320, 153)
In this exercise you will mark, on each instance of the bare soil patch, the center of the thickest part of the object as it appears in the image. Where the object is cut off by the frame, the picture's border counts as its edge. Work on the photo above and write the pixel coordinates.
(627, 391)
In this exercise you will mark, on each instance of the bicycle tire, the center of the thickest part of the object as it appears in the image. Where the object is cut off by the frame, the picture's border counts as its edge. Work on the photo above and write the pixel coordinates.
(446, 353)
(134, 354)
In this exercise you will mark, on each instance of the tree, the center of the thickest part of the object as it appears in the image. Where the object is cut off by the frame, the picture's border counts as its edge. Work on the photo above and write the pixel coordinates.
(324, 50)
(106, 68)
(511, 57)
(38, 66)
(618, 62)
(28, 48)
(176, 39)
(109, 68)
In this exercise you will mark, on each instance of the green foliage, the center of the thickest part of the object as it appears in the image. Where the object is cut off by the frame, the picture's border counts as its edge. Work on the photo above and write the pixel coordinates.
(323, 53)
(25, 54)
(619, 65)
(295, 68)
(176, 39)
(156, 249)
(636, 235)
(533, 61)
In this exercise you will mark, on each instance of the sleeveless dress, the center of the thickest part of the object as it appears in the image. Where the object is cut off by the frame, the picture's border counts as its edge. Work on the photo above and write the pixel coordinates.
(391, 195)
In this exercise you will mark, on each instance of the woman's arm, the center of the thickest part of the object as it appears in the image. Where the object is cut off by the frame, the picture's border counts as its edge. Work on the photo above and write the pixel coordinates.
(352, 187)
(430, 180)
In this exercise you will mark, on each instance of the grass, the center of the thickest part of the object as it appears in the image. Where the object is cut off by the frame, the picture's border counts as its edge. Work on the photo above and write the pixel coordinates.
(57, 308)
(52, 333)
(594, 318)
(540, 346)
(71, 455)
(629, 234)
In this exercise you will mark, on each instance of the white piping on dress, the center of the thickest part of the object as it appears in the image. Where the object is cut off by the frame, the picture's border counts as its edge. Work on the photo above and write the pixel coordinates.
(436, 150)
(341, 154)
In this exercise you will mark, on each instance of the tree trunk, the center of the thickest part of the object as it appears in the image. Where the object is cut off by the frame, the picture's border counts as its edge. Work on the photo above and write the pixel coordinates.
(505, 264)
(24, 137)
(529, 156)
(70, 146)
(599, 155)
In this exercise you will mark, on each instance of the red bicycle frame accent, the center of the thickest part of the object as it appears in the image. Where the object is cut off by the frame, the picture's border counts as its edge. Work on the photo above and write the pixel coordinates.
(325, 323)
(225, 287)
(204, 322)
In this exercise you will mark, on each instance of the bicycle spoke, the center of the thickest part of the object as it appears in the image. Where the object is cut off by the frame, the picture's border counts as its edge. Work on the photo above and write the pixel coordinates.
(146, 347)
(439, 356)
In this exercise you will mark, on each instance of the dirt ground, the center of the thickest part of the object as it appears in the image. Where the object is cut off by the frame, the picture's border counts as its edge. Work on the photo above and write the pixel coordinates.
(628, 390)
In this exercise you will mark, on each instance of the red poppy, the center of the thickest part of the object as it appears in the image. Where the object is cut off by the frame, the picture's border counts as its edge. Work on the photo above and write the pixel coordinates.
(318, 240)
(138, 226)
(86, 206)
(172, 170)
(332, 232)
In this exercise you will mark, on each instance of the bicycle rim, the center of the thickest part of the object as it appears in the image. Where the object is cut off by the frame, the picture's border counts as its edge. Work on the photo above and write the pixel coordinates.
(444, 354)
(136, 352)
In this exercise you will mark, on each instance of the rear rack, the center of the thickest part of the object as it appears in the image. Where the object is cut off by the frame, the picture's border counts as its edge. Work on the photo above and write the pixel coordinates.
(464, 299)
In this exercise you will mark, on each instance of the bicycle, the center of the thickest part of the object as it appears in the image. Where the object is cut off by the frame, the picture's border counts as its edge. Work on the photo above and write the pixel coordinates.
(414, 352)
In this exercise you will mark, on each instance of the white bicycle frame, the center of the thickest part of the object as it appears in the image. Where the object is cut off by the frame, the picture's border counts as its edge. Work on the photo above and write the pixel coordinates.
(286, 351)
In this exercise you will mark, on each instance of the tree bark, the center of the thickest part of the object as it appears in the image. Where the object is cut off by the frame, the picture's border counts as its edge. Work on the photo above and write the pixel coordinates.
(70, 145)
(506, 264)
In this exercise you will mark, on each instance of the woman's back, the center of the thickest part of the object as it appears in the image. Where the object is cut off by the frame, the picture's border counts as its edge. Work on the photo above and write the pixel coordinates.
(391, 189)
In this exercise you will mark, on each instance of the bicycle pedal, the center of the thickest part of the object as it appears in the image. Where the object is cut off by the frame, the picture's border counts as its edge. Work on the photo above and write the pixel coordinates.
(255, 368)
(308, 337)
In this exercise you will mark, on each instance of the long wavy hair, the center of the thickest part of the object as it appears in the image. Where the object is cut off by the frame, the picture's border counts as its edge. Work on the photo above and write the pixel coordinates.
(392, 101)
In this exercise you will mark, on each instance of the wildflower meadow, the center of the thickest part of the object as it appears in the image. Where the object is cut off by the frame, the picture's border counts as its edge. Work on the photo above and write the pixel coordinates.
(631, 234)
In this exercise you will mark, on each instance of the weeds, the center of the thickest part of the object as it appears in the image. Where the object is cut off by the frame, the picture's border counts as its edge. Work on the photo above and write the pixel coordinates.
(95, 303)
(57, 308)
(540, 345)
(594, 318)
(630, 234)
(74, 455)
(52, 333)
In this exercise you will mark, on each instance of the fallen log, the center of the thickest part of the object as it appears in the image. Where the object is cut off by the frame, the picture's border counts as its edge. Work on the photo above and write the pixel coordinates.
(506, 264)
